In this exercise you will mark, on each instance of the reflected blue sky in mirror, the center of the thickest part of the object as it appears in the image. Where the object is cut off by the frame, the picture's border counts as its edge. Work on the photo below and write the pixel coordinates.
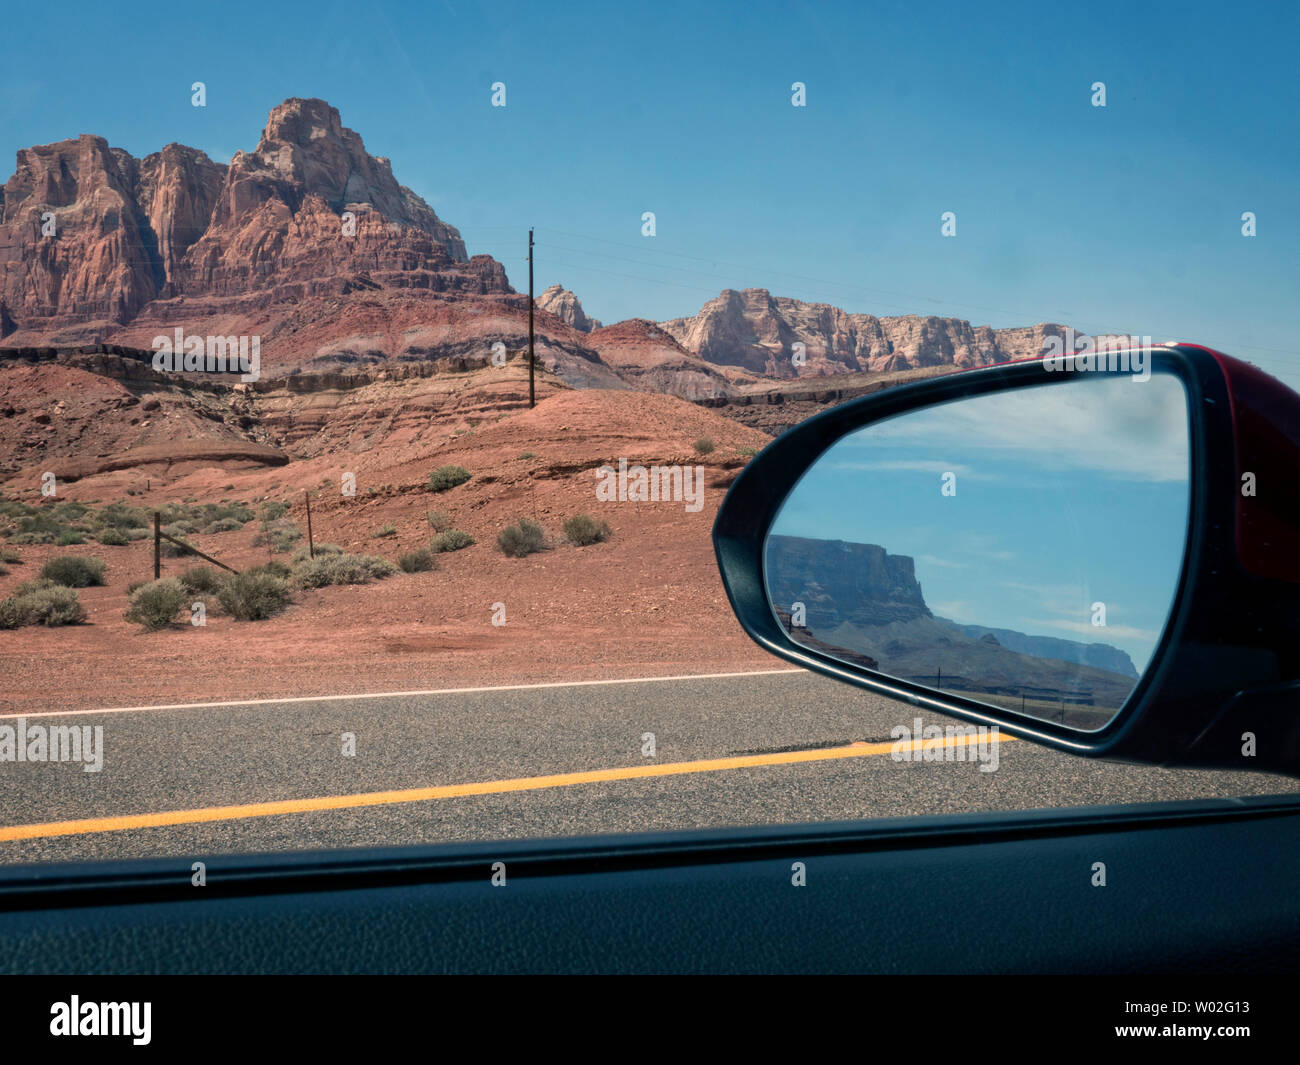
(1065, 495)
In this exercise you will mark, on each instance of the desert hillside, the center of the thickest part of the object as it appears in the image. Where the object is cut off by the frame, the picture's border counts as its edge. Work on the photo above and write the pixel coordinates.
(646, 601)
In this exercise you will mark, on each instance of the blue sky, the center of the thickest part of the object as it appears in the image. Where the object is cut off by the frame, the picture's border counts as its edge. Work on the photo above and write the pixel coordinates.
(1036, 532)
(1124, 219)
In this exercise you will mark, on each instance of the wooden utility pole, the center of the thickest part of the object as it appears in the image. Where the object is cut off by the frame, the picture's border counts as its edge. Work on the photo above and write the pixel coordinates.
(311, 546)
(532, 393)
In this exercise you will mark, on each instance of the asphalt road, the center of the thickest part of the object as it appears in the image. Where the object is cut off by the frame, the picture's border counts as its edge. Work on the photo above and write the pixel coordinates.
(173, 762)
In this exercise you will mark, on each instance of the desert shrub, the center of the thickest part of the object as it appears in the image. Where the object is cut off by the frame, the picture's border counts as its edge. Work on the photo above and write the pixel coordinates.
(48, 605)
(68, 510)
(274, 567)
(445, 477)
(386, 530)
(48, 524)
(69, 537)
(418, 561)
(528, 454)
(272, 511)
(180, 528)
(524, 538)
(285, 535)
(122, 517)
(439, 520)
(281, 534)
(156, 604)
(330, 569)
(582, 530)
(111, 537)
(201, 580)
(321, 549)
(55, 606)
(28, 538)
(253, 596)
(138, 533)
(451, 540)
(341, 569)
(134, 585)
(215, 513)
(704, 445)
(74, 571)
(36, 528)
(223, 525)
(379, 568)
(748, 452)
(8, 554)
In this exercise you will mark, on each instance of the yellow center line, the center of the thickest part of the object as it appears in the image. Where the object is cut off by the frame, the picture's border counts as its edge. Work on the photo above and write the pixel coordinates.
(486, 787)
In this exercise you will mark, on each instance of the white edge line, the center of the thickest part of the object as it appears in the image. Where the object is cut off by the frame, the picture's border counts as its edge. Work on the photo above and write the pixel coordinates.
(400, 694)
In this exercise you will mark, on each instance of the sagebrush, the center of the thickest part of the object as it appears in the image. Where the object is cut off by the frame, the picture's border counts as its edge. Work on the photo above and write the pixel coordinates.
(74, 571)
(156, 604)
(525, 537)
(582, 530)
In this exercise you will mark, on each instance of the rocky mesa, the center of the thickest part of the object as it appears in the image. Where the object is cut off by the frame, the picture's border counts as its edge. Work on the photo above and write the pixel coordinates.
(97, 246)
(757, 332)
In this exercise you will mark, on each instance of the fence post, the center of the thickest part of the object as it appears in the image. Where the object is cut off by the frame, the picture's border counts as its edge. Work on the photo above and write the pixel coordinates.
(157, 545)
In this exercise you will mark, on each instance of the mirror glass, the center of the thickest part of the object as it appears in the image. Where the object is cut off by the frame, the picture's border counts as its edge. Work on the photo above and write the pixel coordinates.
(1020, 548)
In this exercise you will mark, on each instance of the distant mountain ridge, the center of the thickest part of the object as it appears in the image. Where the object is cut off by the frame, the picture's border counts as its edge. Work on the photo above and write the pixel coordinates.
(861, 599)
(1100, 655)
(758, 332)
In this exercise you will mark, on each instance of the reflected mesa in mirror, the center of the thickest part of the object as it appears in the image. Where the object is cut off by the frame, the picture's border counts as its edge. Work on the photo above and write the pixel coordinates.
(1020, 549)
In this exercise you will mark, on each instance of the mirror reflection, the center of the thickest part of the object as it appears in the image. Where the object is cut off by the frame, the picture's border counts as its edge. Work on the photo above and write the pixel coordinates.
(1021, 548)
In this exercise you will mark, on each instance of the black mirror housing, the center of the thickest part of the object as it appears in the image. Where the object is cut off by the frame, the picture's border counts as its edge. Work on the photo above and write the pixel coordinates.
(1223, 687)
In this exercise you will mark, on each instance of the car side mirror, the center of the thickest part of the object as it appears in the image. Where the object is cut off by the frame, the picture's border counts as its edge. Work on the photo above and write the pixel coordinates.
(1100, 553)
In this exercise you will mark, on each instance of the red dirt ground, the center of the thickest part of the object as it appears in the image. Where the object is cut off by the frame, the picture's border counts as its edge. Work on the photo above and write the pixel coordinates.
(647, 602)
